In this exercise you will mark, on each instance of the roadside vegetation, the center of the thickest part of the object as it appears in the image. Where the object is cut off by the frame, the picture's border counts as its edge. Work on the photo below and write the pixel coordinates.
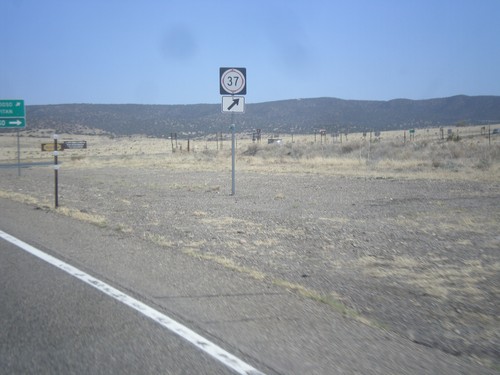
(461, 153)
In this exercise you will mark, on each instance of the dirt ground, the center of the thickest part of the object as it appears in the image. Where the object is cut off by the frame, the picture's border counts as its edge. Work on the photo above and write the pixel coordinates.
(415, 256)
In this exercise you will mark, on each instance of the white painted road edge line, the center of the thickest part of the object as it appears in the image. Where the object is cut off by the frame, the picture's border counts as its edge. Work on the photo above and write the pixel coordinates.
(198, 341)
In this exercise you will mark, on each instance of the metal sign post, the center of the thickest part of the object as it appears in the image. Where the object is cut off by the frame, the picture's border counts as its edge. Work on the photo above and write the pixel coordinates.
(233, 81)
(18, 155)
(233, 157)
(56, 170)
(13, 116)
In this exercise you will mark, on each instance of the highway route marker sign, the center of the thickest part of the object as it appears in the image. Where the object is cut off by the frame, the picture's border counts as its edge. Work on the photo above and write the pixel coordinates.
(233, 81)
(233, 104)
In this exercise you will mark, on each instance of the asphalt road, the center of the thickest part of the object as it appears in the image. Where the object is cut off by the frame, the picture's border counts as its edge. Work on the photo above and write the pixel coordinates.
(53, 323)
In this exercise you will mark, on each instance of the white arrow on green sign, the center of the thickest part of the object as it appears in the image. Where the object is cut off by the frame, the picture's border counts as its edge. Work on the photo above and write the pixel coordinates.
(12, 122)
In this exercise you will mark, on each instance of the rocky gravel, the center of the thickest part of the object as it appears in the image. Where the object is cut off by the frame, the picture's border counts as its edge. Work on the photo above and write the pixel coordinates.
(417, 257)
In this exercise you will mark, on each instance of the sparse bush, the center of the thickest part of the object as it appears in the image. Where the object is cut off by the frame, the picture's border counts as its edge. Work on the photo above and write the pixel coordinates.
(206, 155)
(420, 145)
(294, 152)
(457, 150)
(484, 163)
(486, 156)
(347, 148)
(390, 150)
(251, 150)
(436, 163)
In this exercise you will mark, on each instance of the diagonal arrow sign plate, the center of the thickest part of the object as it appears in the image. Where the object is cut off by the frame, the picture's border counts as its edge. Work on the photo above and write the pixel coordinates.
(235, 104)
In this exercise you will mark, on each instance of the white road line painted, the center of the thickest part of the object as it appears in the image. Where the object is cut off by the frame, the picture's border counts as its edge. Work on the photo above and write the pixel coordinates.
(198, 341)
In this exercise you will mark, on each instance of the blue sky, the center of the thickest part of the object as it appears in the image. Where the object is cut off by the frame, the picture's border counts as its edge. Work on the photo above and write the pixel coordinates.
(169, 51)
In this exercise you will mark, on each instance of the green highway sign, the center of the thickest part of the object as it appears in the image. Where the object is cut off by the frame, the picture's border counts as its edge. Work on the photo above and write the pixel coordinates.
(12, 114)
(12, 108)
(18, 122)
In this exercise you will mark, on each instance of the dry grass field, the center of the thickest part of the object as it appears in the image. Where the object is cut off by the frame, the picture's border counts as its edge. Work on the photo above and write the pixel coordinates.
(399, 232)
(430, 153)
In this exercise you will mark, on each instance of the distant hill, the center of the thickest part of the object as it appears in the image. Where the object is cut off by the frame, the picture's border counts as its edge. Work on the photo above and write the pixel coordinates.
(297, 115)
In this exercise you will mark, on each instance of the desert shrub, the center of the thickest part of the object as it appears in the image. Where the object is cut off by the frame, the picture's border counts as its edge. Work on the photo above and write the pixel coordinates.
(436, 163)
(251, 150)
(296, 152)
(446, 151)
(386, 150)
(495, 152)
(484, 162)
(485, 156)
(207, 155)
(420, 145)
(457, 150)
(348, 147)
